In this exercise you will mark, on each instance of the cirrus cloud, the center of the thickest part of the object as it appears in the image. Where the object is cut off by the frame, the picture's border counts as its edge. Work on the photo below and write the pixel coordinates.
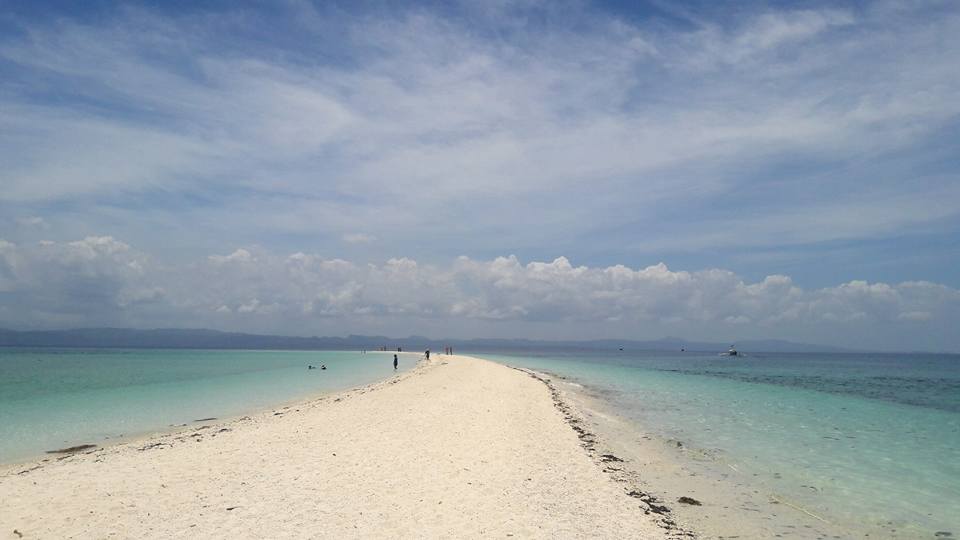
(451, 129)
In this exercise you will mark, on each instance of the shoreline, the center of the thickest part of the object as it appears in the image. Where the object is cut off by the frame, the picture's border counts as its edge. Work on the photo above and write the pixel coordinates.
(456, 446)
(171, 429)
(730, 504)
(598, 449)
(182, 430)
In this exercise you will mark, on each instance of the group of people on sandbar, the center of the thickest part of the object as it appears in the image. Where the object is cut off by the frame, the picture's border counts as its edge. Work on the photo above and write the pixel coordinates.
(426, 354)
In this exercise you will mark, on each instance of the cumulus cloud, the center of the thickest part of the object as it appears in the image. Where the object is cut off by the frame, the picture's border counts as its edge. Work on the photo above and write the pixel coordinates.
(95, 279)
(102, 280)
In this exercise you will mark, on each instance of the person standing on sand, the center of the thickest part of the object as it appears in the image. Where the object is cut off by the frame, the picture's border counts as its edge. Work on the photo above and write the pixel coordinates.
(394, 362)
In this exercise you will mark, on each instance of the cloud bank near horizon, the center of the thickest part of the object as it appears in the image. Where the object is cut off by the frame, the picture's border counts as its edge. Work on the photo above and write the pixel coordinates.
(100, 281)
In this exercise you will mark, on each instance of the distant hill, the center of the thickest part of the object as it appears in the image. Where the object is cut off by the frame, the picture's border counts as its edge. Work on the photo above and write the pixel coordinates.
(179, 338)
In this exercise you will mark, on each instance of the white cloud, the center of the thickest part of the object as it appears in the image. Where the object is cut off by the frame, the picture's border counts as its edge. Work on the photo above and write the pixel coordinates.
(240, 255)
(94, 281)
(414, 132)
(34, 221)
(249, 307)
(93, 247)
(358, 238)
(607, 120)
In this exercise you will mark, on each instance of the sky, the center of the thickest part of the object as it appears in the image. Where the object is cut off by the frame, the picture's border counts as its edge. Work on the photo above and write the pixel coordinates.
(506, 168)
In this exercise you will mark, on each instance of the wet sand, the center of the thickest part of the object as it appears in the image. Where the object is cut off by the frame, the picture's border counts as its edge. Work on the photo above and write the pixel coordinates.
(702, 491)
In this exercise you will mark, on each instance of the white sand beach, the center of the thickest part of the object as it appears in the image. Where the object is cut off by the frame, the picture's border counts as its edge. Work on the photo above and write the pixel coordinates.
(457, 448)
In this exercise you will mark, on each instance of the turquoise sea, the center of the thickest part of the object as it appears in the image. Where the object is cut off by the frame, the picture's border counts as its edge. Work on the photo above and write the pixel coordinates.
(55, 398)
(869, 441)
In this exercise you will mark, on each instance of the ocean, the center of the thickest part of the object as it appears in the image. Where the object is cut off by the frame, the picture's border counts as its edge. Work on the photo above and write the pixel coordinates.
(870, 442)
(56, 398)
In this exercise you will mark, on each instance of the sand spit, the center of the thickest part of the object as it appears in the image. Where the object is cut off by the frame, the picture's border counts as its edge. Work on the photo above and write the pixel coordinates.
(457, 448)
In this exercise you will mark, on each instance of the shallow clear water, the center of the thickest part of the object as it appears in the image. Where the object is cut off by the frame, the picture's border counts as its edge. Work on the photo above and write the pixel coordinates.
(871, 442)
(53, 398)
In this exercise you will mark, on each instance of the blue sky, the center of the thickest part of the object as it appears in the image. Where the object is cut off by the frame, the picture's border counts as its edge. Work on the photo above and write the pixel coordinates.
(811, 141)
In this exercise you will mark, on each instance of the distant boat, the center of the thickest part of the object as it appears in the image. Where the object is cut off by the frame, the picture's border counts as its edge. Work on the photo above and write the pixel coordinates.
(730, 352)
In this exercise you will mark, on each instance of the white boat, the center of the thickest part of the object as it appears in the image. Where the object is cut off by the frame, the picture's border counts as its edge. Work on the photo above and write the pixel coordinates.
(730, 352)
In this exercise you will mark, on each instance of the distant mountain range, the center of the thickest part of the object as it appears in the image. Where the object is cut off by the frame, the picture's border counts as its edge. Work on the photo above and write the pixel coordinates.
(179, 338)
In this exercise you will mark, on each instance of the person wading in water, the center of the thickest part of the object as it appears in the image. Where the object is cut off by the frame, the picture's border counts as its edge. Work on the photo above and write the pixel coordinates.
(394, 362)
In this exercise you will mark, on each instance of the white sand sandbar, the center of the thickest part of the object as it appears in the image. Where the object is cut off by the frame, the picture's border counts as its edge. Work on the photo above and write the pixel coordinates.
(459, 447)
